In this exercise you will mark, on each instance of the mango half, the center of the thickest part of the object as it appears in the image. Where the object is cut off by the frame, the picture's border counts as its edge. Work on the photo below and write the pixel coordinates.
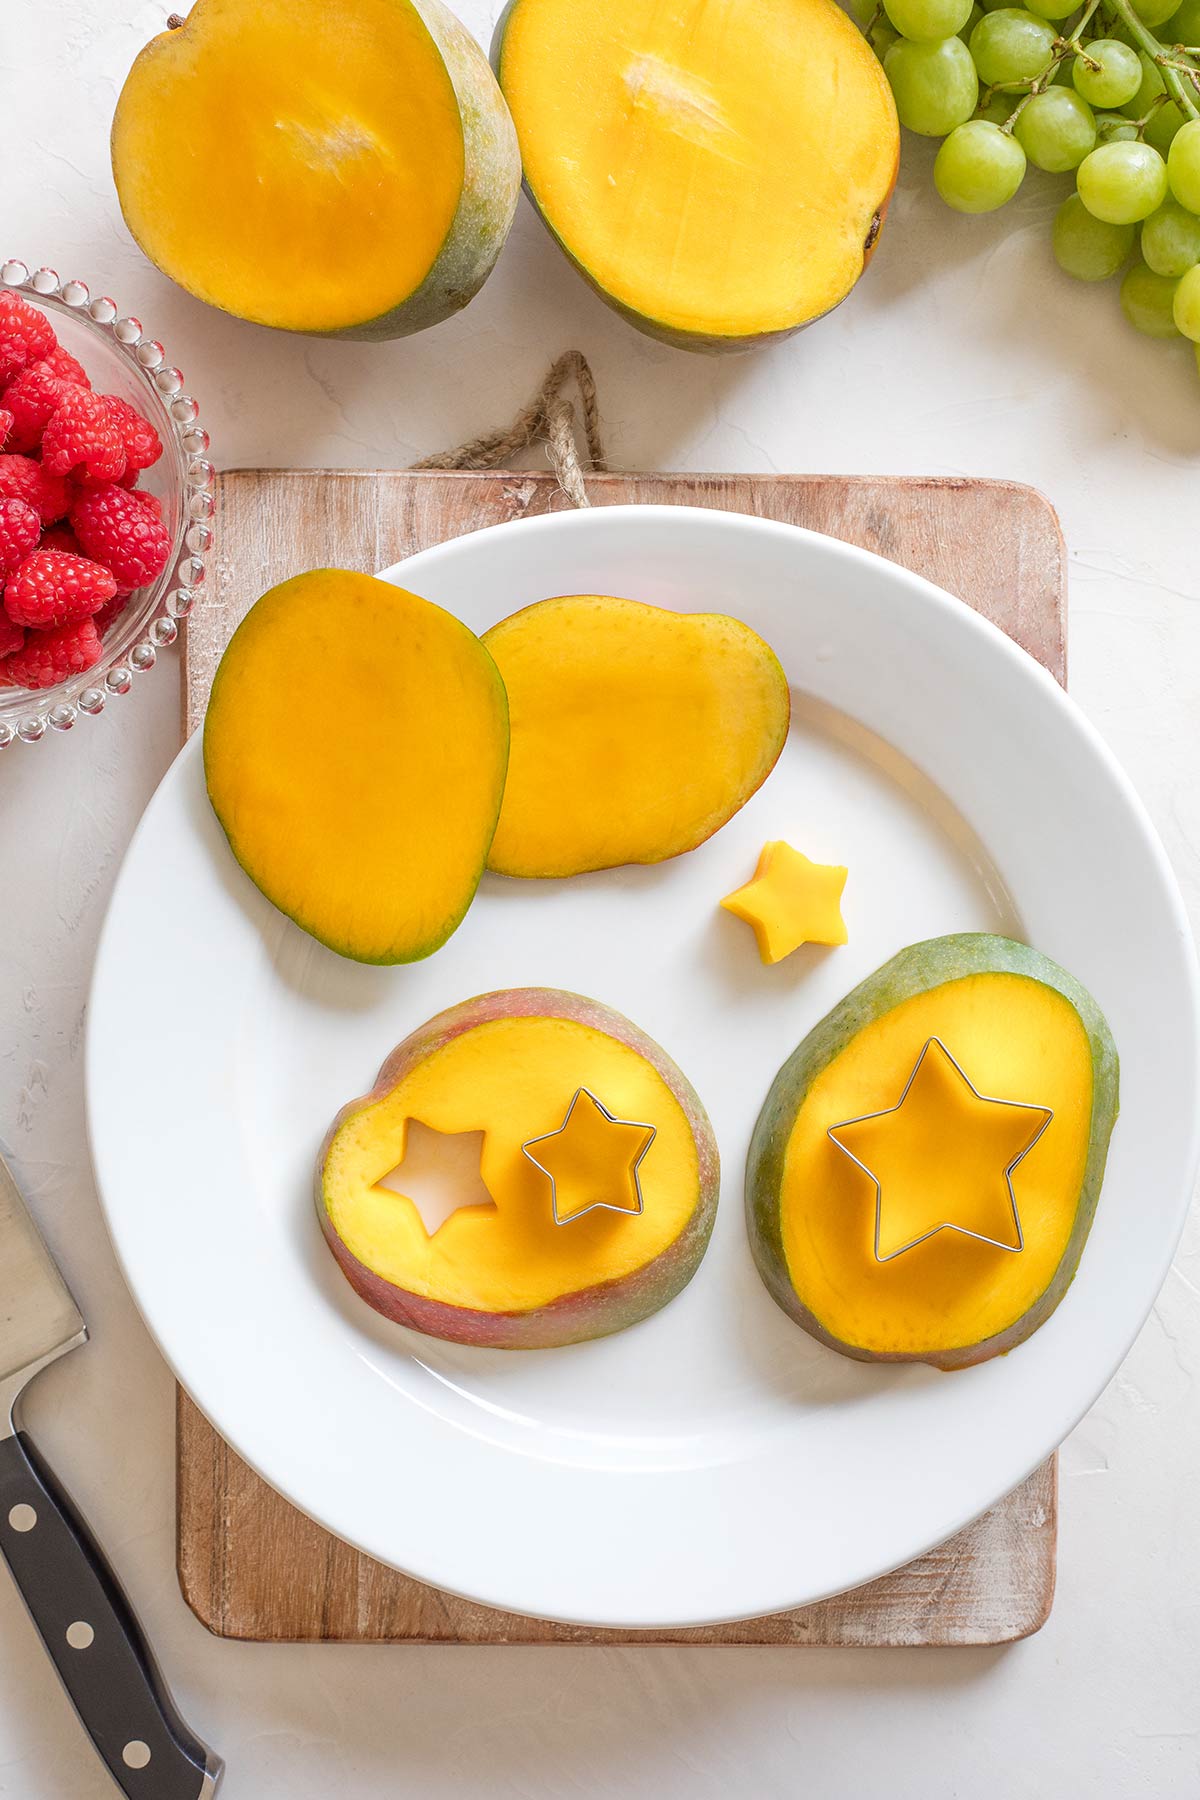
(355, 746)
(507, 1064)
(342, 167)
(1023, 1030)
(636, 731)
(719, 170)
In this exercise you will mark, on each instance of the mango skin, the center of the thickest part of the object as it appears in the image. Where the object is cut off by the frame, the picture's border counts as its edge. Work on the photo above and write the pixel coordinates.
(706, 343)
(914, 971)
(486, 208)
(593, 1312)
(491, 187)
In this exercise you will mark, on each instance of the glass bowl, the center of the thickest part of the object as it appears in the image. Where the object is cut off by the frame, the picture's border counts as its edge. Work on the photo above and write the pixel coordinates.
(121, 359)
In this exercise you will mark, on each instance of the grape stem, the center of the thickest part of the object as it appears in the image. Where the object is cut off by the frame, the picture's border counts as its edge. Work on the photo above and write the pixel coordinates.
(1159, 101)
(1063, 47)
(1161, 57)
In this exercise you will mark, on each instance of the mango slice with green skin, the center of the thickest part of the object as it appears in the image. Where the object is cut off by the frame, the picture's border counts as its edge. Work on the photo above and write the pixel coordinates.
(507, 1064)
(718, 171)
(1023, 1030)
(636, 732)
(335, 167)
(355, 746)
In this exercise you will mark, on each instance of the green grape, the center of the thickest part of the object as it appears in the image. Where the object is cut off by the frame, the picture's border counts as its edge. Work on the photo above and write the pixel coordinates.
(973, 18)
(1183, 26)
(1116, 80)
(882, 37)
(1087, 248)
(1155, 12)
(935, 85)
(999, 109)
(1122, 183)
(926, 21)
(1149, 88)
(1171, 240)
(1147, 300)
(1165, 121)
(979, 167)
(1057, 130)
(1011, 45)
(1183, 165)
(1111, 128)
(1053, 9)
(1186, 311)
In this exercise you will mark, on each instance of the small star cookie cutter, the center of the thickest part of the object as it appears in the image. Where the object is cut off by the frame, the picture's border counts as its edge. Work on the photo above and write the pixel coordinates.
(527, 1149)
(946, 1224)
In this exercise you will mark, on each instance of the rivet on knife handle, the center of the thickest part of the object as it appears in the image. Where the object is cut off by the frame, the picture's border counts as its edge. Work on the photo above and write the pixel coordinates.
(93, 1638)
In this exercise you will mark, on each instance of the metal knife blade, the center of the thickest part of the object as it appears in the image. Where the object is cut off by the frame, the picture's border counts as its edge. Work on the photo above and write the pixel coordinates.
(38, 1318)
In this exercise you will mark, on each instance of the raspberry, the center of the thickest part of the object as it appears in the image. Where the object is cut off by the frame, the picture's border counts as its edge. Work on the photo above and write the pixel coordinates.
(11, 636)
(112, 609)
(83, 433)
(31, 397)
(67, 367)
(118, 528)
(26, 334)
(60, 537)
(24, 478)
(143, 445)
(6, 424)
(151, 502)
(20, 529)
(34, 392)
(52, 587)
(49, 657)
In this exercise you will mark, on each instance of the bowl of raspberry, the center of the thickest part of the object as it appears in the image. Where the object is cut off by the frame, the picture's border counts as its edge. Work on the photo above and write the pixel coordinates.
(105, 502)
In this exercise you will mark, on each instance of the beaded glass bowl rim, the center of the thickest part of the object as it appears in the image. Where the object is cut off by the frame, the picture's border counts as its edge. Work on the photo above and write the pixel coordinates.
(153, 623)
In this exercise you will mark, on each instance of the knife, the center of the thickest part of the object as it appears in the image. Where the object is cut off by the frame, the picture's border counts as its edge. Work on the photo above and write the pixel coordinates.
(75, 1600)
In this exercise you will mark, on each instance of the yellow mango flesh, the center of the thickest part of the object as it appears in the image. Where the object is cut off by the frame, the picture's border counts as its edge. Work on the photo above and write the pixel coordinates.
(636, 732)
(714, 166)
(512, 1079)
(791, 901)
(296, 162)
(354, 749)
(1016, 1039)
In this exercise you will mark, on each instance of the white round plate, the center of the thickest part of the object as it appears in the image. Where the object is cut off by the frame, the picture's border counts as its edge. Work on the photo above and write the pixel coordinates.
(713, 1462)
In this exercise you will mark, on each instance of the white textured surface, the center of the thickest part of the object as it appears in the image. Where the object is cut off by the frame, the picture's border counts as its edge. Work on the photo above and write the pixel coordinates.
(963, 353)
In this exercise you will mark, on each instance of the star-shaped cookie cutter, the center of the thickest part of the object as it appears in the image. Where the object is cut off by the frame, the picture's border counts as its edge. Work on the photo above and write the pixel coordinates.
(527, 1149)
(946, 1224)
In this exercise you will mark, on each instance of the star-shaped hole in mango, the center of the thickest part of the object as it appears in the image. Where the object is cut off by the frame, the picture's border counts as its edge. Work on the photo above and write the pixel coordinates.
(439, 1173)
(942, 1158)
(592, 1160)
(791, 901)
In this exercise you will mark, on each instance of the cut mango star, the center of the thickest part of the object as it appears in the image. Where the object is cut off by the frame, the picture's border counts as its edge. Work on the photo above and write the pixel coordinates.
(942, 1158)
(790, 902)
(592, 1160)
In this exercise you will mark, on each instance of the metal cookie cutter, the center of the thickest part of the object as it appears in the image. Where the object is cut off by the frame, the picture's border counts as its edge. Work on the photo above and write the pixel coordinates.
(597, 1205)
(1046, 1113)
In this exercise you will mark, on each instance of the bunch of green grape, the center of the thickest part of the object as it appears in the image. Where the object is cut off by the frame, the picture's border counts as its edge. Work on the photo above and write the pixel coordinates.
(1108, 92)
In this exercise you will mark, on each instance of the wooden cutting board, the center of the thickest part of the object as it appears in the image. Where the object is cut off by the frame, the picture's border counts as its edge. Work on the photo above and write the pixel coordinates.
(251, 1565)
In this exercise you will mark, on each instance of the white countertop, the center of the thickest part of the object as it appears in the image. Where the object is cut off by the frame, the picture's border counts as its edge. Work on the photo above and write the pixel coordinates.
(964, 352)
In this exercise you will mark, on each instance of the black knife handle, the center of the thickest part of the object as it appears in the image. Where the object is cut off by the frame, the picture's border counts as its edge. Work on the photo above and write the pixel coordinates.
(94, 1640)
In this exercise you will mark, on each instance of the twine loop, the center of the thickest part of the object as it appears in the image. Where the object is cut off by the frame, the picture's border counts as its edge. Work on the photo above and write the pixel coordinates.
(549, 418)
